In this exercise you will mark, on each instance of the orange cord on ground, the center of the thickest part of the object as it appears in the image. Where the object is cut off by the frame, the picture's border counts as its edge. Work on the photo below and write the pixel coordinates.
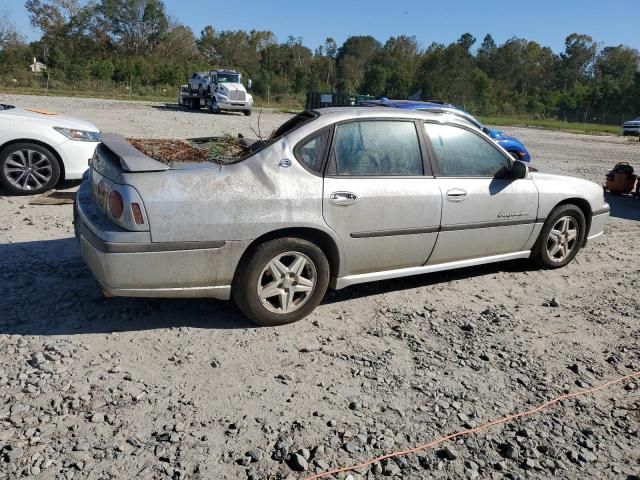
(506, 419)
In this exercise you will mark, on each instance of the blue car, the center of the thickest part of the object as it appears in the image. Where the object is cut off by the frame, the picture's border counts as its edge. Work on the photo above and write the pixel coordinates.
(510, 144)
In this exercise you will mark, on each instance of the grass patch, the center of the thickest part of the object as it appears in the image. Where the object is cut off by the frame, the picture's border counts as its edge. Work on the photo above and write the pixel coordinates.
(574, 127)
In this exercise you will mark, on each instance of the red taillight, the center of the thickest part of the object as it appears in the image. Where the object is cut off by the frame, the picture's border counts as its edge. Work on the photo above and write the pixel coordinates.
(137, 214)
(116, 205)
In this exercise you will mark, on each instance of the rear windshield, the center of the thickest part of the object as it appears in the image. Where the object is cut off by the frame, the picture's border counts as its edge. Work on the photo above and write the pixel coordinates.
(293, 123)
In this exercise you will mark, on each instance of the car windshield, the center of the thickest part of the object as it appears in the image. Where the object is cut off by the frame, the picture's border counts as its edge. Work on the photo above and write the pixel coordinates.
(4, 106)
(228, 78)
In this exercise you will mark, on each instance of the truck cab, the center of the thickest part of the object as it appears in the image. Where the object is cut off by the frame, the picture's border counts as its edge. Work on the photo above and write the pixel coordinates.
(228, 92)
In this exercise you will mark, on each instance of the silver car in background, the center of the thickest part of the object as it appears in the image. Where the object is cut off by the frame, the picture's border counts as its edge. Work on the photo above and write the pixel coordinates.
(631, 128)
(336, 197)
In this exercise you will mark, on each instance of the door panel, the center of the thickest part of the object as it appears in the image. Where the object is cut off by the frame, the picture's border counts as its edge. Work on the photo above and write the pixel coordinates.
(384, 223)
(484, 216)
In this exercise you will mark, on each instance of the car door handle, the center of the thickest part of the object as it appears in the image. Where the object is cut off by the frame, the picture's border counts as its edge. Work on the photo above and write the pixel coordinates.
(343, 198)
(456, 194)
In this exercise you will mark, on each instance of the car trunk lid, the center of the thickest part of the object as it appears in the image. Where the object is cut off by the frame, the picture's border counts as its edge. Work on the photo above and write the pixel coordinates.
(116, 155)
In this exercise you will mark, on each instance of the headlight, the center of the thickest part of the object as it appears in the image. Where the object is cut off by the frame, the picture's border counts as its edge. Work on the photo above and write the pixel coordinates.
(79, 135)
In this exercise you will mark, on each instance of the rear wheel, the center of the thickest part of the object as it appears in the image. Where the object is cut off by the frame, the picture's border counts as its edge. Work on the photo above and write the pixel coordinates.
(28, 168)
(281, 281)
(561, 237)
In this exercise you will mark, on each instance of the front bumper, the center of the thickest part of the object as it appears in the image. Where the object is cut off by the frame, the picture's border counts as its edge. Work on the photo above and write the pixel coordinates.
(234, 105)
(129, 264)
(634, 131)
(75, 155)
(598, 221)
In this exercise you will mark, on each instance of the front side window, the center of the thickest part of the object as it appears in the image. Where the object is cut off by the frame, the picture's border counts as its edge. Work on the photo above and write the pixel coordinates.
(378, 148)
(461, 153)
(311, 152)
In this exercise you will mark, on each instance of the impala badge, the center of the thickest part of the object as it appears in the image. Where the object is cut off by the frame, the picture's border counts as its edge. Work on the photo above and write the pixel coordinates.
(512, 214)
(285, 163)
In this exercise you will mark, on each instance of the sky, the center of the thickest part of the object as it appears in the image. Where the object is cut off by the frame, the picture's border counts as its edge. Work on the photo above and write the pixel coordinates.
(547, 22)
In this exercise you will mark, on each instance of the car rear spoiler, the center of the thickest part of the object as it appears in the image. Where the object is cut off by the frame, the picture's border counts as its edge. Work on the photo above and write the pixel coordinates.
(131, 159)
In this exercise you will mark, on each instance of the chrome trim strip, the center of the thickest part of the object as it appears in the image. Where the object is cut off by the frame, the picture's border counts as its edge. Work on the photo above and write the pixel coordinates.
(497, 223)
(602, 211)
(343, 282)
(399, 231)
(221, 292)
(593, 237)
(445, 228)
(141, 247)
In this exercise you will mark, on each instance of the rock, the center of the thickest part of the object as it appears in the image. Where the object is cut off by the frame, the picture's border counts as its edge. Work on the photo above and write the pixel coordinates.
(298, 463)
(15, 454)
(448, 452)
(255, 454)
(310, 348)
(97, 417)
(508, 450)
(553, 303)
(391, 468)
(244, 461)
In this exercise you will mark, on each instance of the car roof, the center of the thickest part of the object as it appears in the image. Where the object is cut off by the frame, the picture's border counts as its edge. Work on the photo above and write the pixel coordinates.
(430, 105)
(408, 104)
(337, 114)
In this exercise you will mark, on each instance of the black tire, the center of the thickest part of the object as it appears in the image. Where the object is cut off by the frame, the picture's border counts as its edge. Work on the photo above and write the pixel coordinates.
(540, 253)
(213, 107)
(194, 104)
(247, 113)
(254, 267)
(200, 90)
(8, 175)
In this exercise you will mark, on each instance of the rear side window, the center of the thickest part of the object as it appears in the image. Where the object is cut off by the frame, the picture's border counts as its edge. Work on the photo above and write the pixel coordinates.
(461, 153)
(311, 151)
(377, 148)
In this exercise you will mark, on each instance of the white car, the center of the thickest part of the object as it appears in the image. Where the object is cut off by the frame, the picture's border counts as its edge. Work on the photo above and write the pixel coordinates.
(38, 148)
(199, 82)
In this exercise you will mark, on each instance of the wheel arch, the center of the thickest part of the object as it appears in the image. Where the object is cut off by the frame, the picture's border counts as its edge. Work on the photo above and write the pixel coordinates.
(321, 238)
(42, 144)
(585, 207)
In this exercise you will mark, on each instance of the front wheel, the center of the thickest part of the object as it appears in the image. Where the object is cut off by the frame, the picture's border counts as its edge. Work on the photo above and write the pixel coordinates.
(561, 237)
(28, 168)
(247, 113)
(281, 281)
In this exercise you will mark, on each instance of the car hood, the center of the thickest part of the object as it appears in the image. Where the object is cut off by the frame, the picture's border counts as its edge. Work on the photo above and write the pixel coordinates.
(51, 118)
(566, 183)
(632, 123)
(233, 86)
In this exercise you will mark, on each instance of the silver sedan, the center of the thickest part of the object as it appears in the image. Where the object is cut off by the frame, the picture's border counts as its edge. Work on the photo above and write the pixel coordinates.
(336, 197)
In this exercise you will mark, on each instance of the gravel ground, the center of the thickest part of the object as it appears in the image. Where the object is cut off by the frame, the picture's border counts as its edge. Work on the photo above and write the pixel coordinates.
(120, 388)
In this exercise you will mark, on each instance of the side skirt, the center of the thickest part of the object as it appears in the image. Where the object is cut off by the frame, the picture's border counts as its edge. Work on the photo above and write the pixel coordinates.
(343, 282)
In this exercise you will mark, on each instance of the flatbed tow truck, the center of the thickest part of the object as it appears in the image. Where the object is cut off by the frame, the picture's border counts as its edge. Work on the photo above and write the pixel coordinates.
(225, 92)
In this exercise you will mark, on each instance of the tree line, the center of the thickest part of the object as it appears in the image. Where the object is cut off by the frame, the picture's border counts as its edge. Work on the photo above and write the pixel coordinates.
(108, 44)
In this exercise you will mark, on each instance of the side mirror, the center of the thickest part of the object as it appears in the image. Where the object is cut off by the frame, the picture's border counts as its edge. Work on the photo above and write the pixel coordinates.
(249, 83)
(519, 169)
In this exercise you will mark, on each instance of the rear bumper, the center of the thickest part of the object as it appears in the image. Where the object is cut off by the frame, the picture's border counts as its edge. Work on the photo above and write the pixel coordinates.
(129, 264)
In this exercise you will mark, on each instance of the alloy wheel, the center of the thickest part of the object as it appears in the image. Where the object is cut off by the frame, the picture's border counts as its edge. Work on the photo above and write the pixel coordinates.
(562, 239)
(287, 282)
(27, 169)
